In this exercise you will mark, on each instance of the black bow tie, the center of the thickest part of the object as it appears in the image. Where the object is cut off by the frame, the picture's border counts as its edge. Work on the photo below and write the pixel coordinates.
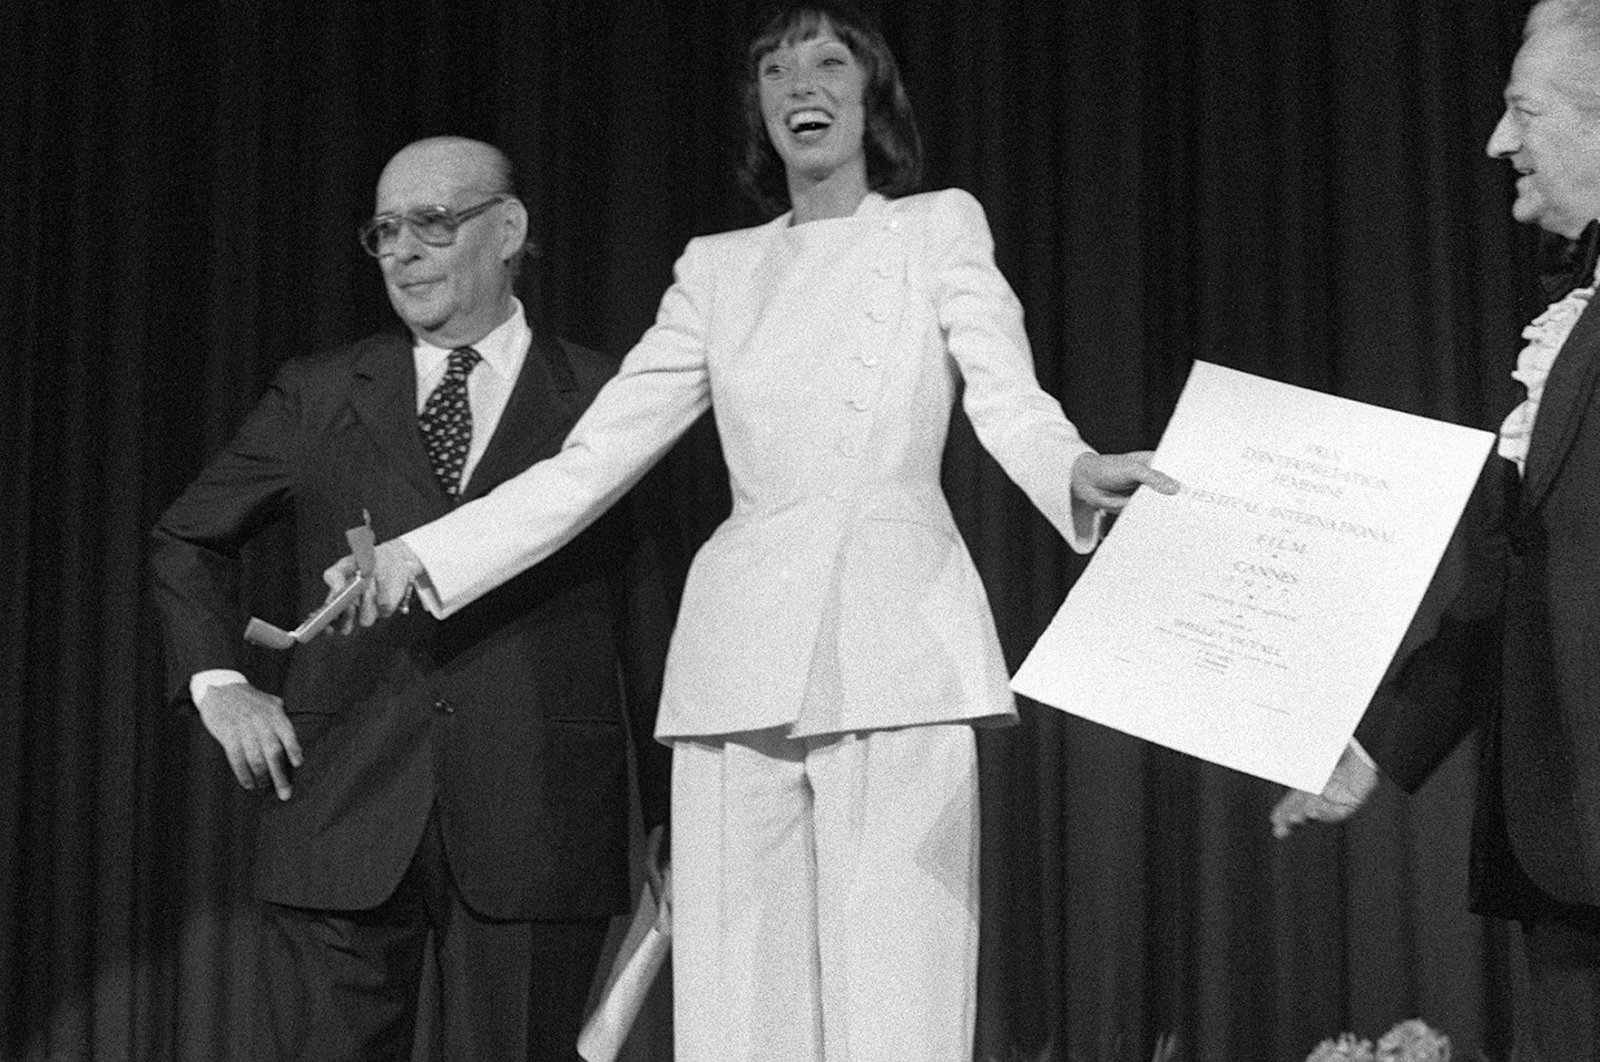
(1567, 264)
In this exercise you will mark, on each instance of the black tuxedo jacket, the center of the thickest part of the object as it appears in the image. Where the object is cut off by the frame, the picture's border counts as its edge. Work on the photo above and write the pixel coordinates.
(509, 717)
(1518, 648)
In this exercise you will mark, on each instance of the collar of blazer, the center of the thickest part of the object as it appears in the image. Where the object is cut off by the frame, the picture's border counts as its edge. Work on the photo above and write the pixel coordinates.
(538, 414)
(787, 286)
(871, 203)
(1566, 395)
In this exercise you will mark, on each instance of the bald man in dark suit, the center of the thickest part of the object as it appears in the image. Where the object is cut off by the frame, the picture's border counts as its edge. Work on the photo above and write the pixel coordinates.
(452, 791)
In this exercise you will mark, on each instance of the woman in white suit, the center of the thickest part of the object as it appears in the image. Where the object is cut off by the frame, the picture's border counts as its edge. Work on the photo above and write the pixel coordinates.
(835, 647)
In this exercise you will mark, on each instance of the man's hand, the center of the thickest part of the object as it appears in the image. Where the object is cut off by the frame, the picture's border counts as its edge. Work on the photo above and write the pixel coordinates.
(1352, 782)
(1107, 481)
(658, 873)
(254, 733)
(394, 574)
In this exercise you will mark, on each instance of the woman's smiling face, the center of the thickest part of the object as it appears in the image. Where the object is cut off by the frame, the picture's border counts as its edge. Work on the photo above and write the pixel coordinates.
(813, 104)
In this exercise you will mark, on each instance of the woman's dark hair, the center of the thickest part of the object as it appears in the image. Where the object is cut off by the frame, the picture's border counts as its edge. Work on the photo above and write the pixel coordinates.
(893, 145)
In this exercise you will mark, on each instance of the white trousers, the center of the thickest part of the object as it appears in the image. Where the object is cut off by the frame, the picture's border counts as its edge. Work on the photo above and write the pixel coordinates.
(825, 896)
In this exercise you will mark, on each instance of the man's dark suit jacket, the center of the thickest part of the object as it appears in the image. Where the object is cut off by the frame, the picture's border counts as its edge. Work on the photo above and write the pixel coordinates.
(513, 716)
(1519, 649)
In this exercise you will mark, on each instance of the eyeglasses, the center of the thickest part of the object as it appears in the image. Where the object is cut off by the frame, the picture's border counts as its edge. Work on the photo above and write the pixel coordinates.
(434, 225)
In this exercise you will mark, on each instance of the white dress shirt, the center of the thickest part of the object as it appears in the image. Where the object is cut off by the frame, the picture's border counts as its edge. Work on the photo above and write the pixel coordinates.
(489, 386)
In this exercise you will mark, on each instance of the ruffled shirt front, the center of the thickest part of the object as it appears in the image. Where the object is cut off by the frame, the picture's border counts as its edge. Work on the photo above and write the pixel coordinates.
(1545, 335)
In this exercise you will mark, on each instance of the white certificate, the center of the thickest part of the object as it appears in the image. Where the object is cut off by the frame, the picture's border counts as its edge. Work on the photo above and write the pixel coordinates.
(1248, 619)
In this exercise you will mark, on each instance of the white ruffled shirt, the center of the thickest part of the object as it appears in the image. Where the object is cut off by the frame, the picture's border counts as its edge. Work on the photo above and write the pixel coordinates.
(1545, 335)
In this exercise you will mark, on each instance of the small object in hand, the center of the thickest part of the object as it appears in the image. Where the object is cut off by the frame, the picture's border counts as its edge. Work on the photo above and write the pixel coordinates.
(363, 546)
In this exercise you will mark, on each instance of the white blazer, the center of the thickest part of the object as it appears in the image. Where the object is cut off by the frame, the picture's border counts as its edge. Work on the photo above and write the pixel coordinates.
(838, 595)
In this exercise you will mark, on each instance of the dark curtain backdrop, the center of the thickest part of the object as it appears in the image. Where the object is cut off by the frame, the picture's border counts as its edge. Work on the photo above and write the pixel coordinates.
(1295, 188)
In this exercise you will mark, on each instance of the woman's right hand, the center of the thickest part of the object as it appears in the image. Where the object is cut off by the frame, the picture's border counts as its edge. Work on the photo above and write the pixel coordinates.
(392, 581)
(1107, 481)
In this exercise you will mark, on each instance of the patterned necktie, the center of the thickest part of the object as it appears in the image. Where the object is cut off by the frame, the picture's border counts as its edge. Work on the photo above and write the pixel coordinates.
(446, 421)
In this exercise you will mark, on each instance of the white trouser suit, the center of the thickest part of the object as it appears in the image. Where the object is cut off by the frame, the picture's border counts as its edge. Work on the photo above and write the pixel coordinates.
(834, 644)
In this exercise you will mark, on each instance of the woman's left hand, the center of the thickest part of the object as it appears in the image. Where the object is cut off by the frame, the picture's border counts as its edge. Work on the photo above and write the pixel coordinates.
(658, 873)
(1107, 481)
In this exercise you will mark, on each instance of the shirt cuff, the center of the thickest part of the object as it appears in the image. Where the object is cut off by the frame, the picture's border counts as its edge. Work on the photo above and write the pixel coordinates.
(1361, 754)
(204, 682)
(423, 585)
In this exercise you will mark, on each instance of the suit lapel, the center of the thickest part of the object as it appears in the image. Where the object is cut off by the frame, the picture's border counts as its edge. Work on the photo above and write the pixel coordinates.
(538, 415)
(384, 397)
(1566, 395)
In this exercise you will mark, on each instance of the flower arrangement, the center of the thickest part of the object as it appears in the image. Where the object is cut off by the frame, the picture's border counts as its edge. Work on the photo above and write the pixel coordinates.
(1409, 1041)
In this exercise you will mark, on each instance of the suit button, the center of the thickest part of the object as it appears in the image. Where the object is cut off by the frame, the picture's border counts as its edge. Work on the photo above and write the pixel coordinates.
(879, 314)
(443, 707)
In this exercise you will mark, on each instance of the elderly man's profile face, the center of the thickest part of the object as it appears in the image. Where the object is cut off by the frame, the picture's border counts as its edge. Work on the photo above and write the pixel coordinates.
(1553, 142)
(453, 295)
